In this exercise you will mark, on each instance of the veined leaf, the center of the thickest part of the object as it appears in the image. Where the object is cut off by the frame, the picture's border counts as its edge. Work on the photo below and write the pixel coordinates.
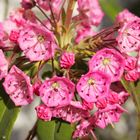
(54, 130)
(8, 115)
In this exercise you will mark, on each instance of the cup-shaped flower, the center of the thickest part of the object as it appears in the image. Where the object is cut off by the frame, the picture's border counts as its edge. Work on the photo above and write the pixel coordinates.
(54, 5)
(71, 113)
(83, 31)
(93, 85)
(57, 91)
(108, 115)
(83, 129)
(37, 44)
(129, 36)
(109, 108)
(125, 16)
(17, 85)
(90, 11)
(108, 61)
(3, 65)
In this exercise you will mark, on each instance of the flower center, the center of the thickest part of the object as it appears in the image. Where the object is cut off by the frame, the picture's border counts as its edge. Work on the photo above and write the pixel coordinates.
(106, 61)
(91, 82)
(41, 38)
(55, 86)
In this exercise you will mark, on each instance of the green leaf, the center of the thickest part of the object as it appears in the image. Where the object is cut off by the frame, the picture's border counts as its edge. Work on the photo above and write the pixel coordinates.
(111, 8)
(8, 115)
(45, 130)
(54, 130)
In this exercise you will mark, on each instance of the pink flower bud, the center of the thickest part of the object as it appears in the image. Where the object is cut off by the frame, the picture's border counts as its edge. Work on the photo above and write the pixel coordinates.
(130, 63)
(44, 112)
(88, 105)
(132, 75)
(67, 60)
(36, 87)
(14, 36)
(28, 4)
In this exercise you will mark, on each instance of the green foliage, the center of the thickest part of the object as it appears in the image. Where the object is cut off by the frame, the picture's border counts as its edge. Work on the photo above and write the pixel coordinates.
(111, 8)
(8, 115)
(54, 130)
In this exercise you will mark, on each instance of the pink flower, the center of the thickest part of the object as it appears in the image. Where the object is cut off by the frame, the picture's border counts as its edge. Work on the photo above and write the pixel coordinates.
(93, 85)
(123, 96)
(36, 87)
(90, 11)
(3, 65)
(14, 36)
(83, 129)
(13, 25)
(55, 4)
(67, 60)
(20, 17)
(5, 29)
(57, 91)
(71, 113)
(101, 103)
(88, 105)
(18, 87)
(3, 35)
(108, 61)
(28, 4)
(130, 63)
(37, 44)
(132, 75)
(129, 36)
(113, 98)
(117, 98)
(83, 31)
(109, 108)
(108, 115)
(125, 16)
(16, 16)
(44, 112)
(9, 26)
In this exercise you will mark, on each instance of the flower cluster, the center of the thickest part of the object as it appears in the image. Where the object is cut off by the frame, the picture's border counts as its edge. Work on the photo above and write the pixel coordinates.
(68, 65)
